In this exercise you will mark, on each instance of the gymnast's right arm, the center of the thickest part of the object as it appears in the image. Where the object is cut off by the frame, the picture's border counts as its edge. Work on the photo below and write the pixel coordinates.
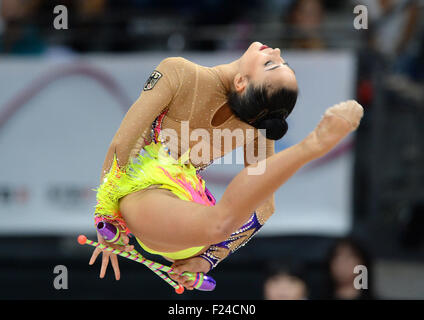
(155, 97)
(157, 93)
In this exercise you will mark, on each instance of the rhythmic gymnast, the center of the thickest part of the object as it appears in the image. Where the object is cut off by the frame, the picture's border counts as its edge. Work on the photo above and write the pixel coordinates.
(151, 186)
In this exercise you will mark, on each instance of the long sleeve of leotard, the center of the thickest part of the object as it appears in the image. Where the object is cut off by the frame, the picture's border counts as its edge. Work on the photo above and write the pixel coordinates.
(158, 92)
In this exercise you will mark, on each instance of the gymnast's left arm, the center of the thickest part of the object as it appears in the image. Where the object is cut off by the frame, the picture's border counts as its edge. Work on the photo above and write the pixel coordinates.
(266, 149)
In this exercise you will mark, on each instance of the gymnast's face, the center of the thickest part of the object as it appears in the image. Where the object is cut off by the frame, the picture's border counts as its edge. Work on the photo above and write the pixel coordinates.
(262, 65)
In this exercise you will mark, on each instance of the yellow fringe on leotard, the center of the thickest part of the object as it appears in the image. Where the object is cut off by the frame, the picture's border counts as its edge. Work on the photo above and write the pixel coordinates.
(154, 167)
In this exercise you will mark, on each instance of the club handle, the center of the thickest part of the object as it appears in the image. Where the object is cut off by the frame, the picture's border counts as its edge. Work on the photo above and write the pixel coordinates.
(204, 282)
(109, 232)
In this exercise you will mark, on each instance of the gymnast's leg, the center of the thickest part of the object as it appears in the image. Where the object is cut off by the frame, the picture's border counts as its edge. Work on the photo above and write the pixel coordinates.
(170, 224)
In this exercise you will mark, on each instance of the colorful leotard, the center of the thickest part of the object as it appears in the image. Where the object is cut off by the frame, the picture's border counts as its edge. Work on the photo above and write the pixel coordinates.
(155, 167)
(178, 90)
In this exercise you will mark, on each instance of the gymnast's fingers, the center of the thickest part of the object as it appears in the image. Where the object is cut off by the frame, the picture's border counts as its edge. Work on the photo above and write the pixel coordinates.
(125, 247)
(105, 262)
(194, 264)
(94, 256)
(172, 277)
(125, 238)
(120, 247)
(179, 279)
(188, 284)
(129, 248)
(183, 280)
(175, 269)
(187, 268)
(115, 266)
(176, 277)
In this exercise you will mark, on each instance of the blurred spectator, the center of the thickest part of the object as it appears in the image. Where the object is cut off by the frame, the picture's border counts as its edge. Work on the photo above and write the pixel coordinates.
(20, 35)
(285, 282)
(343, 257)
(393, 25)
(91, 8)
(92, 26)
(418, 73)
(305, 18)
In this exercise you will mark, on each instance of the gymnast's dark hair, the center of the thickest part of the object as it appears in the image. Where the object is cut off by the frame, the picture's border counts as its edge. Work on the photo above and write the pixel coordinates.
(263, 109)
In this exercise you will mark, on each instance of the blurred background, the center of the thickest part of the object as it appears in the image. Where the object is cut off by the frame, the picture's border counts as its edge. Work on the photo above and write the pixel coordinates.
(64, 92)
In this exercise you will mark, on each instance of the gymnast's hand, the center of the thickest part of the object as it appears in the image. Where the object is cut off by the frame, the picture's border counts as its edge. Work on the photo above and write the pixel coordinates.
(193, 264)
(338, 121)
(108, 254)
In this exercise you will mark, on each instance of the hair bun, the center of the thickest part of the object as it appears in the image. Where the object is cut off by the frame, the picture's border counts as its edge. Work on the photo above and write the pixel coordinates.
(275, 128)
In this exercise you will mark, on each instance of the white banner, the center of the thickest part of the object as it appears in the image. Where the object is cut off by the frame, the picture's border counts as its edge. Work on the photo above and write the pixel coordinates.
(58, 117)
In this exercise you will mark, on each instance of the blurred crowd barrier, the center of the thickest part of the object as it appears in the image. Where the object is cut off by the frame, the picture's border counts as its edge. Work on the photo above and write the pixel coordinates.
(132, 25)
